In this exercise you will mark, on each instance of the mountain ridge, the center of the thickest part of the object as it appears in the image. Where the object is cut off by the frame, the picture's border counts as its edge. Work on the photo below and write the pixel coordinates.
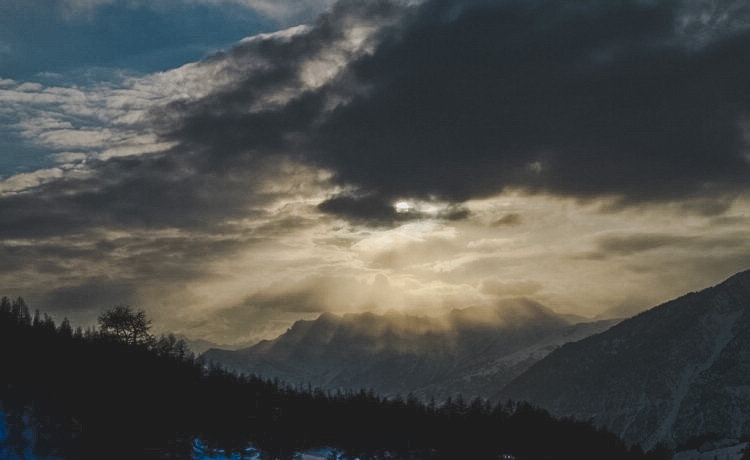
(677, 370)
(472, 351)
(673, 373)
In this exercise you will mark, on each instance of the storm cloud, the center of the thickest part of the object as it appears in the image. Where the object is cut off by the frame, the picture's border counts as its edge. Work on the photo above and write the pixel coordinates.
(546, 97)
(465, 100)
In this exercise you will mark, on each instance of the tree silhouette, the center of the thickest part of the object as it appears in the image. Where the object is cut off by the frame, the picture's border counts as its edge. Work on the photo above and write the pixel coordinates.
(169, 345)
(125, 324)
(65, 329)
(162, 402)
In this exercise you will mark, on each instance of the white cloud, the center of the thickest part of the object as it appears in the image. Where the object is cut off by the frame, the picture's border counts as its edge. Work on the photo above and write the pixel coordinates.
(99, 121)
(404, 237)
(286, 12)
(136, 145)
(24, 181)
(113, 119)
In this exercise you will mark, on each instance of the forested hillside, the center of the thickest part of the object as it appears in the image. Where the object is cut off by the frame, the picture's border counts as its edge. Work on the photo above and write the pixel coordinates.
(108, 394)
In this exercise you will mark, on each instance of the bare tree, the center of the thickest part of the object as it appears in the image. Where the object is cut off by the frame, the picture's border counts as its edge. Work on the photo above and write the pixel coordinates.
(128, 325)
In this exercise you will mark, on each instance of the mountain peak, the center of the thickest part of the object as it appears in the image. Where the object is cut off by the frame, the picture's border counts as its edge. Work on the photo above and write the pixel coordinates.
(472, 351)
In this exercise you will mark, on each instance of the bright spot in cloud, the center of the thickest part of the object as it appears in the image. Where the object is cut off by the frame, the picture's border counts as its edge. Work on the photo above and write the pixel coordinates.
(403, 206)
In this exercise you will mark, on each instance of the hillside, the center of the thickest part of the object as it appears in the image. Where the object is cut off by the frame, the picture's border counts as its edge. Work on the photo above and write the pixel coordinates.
(74, 395)
(673, 372)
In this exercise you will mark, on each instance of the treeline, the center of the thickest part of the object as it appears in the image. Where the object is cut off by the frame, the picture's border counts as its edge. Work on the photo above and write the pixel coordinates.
(99, 393)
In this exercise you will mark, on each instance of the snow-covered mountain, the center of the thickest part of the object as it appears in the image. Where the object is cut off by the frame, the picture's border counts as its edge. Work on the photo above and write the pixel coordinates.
(676, 371)
(472, 352)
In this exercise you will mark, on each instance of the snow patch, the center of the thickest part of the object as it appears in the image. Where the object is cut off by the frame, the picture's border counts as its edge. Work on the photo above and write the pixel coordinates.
(723, 323)
(732, 452)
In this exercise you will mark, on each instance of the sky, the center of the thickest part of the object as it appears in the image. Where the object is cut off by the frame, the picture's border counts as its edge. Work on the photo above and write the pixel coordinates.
(231, 166)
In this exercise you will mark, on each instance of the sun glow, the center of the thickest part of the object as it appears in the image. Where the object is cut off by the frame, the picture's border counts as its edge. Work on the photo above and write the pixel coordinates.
(402, 206)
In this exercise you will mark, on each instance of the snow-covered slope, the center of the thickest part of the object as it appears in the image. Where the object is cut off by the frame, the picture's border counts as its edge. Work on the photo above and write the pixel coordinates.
(676, 371)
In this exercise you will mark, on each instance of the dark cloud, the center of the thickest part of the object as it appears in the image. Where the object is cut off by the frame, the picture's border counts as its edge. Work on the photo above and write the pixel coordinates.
(631, 244)
(547, 97)
(85, 273)
(376, 210)
(82, 303)
(300, 301)
(508, 219)
(157, 191)
(725, 246)
(370, 209)
(454, 212)
(231, 148)
(459, 100)
(467, 99)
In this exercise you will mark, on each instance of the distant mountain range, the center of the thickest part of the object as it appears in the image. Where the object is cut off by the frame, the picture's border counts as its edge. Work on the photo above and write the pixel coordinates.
(198, 346)
(472, 352)
(673, 372)
(669, 375)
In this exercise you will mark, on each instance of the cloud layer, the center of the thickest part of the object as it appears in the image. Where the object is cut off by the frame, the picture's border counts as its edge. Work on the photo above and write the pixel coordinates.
(601, 101)
(392, 155)
(460, 101)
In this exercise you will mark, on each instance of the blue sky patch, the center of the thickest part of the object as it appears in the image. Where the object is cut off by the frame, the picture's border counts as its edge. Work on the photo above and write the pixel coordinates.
(38, 40)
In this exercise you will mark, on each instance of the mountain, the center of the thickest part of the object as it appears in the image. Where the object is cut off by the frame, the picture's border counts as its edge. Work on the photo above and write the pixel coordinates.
(198, 346)
(669, 374)
(473, 351)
